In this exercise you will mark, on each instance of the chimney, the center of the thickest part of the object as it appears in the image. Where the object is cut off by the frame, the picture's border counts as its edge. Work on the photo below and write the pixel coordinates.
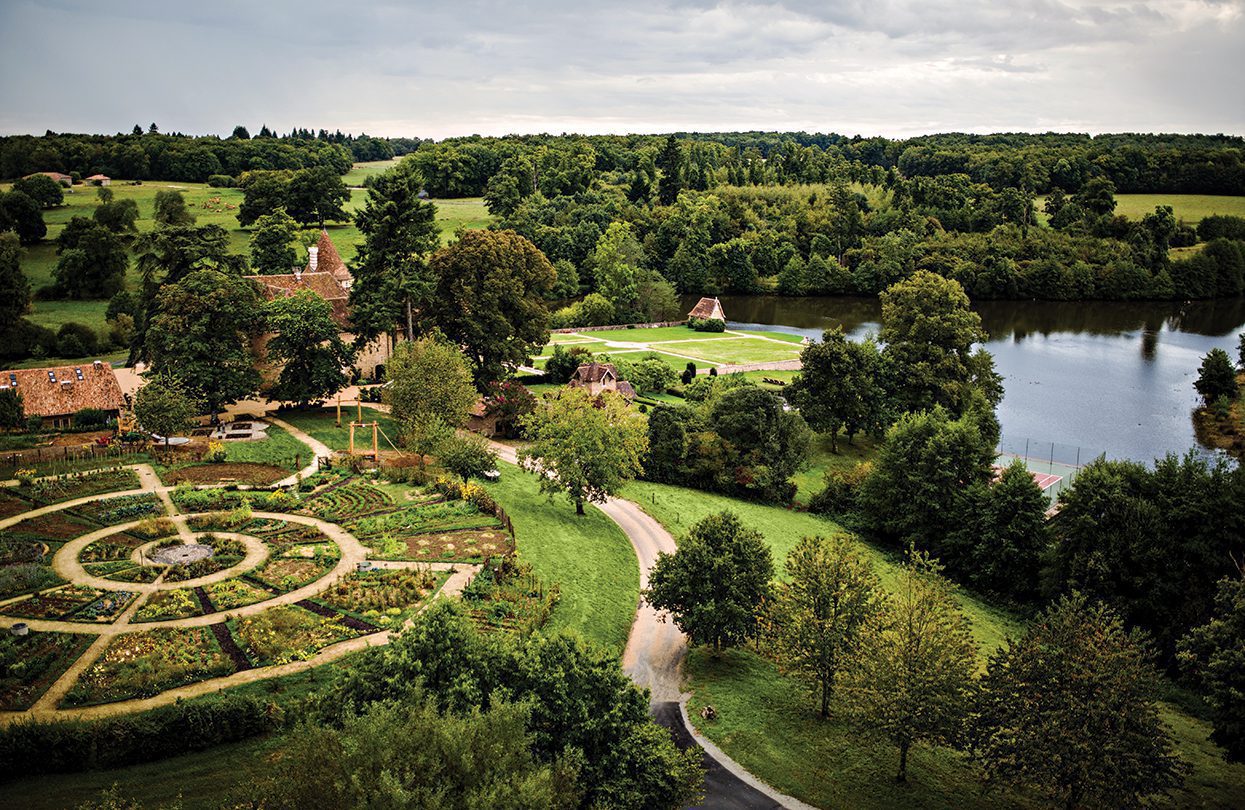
(99, 365)
(313, 258)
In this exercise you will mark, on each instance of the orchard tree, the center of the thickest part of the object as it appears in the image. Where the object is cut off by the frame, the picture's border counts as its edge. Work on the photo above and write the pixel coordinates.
(20, 214)
(716, 581)
(315, 362)
(929, 328)
(490, 299)
(203, 332)
(914, 680)
(1214, 655)
(171, 211)
(392, 282)
(164, 407)
(822, 613)
(429, 377)
(16, 288)
(1070, 709)
(272, 243)
(1217, 377)
(587, 447)
(839, 386)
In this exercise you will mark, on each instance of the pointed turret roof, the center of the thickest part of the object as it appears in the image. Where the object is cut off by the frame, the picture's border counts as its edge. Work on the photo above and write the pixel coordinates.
(328, 260)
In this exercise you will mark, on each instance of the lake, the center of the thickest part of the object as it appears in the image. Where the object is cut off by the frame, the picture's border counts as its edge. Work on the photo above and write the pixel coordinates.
(1088, 376)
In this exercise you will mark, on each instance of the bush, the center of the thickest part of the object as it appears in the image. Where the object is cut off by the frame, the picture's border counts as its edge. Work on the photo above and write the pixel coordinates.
(707, 324)
(839, 495)
(35, 747)
(24, 339)
(466, 456)
(221, 181)
(90, 418)
(75, 339)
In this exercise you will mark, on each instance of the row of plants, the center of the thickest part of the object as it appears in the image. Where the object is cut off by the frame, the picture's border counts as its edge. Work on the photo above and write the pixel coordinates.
(284, 532)
(290, 572)
(349, 501)
(138, 665)
(160, 606)
(189, 499)
(72, 602)
(69, 486)
(287, 633)
(111, 511)
(31, 663)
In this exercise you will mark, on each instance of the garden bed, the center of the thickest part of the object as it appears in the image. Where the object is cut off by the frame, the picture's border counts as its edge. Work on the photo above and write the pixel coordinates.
(509, 597)
(241, 472)
(288, 633)
(286, 574)
(80, 485)
(413, 520)
(21, 578)
(138, 665)
(189, 499)
(73, 601)
(124, 509)
(227, 553)
(52, 526)
(383, 597)
(164, 605)
(349, 501)
(234, 593)
(468, 545)
(30, 664)
(285, 533)
(11, 503)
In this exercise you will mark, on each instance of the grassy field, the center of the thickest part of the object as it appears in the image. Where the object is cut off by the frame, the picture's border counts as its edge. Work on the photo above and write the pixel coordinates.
(211, 206)
(280, 449)
(322, 424)
(822, 460)
(362, 171)
(1190, 208)
(588, 557)
(678, 344)
(768, 724)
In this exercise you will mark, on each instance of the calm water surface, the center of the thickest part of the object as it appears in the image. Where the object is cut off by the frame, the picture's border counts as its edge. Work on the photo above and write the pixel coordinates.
(1105, 377)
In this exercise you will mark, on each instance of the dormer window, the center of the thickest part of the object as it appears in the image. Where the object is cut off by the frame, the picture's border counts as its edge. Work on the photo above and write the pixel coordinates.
(52, 376)
(78, 371)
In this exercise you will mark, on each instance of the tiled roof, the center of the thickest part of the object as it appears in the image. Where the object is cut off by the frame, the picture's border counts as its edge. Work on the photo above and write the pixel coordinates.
(322, 284)
(594, 372)
(328, 260)
(99, 177)
(63, 390)
(626, 389)
(57, 176)
(707, 308)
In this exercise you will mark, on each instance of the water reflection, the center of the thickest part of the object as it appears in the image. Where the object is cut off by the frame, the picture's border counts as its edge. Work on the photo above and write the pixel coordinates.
(1113, 377)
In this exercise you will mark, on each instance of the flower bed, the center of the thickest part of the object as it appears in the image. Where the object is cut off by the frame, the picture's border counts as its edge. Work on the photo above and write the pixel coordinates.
(290, 573)
(107, 608)
(80, 485)
(228, 553)
(136, 573)
(466, 545)
(153, 529)
(14, 550)
(121, 510)
(283, 532)
(384, 598)
(57, 604)
(16, 580)
(234, 593)
(137, 665)
(414, 520)
(345, 502)
(287, 633)
(30, 664)
(163, 605)
(190, 499)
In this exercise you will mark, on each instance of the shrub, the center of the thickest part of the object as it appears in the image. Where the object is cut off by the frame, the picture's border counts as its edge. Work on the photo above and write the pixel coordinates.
(467, 456)
(89, 418)
(215, 452)
(707, 324)
(839, 495)
(221, 181)
(75, 339)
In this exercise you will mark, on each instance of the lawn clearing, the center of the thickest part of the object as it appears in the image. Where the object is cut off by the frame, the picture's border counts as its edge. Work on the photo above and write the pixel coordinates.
(732, 349)
(279, 449)
(368, 168)
(321, 423)
(1190, 208)
(589, 558)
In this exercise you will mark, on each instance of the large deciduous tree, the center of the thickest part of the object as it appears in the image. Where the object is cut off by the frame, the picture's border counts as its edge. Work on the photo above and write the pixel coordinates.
(392, 282)
(428, 378)
(46, 192)
(839, 386)
(1069, 709)
(93, 260)
(821, 614)
(929, 330)
(490, 299)
(913, 681)
(16, 288)
(315, 361)
(316, 195)
(716, 581)
(203, 333)
(170, 210)
(272, 243)
(164, 406)
(20, 214)
(587, 447)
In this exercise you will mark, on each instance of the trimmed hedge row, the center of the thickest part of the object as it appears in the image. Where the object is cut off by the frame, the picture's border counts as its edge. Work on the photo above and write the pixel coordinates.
(35, 747)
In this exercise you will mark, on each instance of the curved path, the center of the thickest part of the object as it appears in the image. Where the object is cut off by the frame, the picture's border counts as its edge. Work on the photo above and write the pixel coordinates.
(654, 657)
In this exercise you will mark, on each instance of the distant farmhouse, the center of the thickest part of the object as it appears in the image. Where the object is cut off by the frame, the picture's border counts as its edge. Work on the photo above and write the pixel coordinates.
(598, 378)
(56, 394)
(707, 309)
(63, 179)
(99, 180)
(327, 276)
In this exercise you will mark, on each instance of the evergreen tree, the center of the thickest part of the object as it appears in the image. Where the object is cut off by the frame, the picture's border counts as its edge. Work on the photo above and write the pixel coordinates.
(670, 162)
(1217, 377)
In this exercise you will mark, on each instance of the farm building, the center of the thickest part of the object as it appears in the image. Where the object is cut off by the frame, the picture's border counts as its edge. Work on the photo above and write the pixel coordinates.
(63, 179)
(601, 377)
(99, 180)
(327, 276)
(479, 420)
(707, 309)
(56, 394)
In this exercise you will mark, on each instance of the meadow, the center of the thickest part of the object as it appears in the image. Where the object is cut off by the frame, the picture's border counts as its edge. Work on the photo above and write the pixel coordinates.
(678, 345)
(1188, 208)
(211, 206)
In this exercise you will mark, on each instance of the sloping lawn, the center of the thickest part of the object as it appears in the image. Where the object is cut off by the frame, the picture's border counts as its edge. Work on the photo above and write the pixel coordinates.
(321, 423)
(588, 557)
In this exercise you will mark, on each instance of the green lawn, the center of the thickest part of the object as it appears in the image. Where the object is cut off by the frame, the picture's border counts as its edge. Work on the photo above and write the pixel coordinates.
(361, 171)
(734, 350)
(467, 212)
(657, 333)
(822, 460)
(280, 449)
(786, 337)
(588, 557)
(767, 724)
(321, 423)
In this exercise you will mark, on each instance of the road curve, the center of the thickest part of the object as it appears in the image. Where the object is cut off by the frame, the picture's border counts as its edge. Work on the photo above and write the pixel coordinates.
(654, 657)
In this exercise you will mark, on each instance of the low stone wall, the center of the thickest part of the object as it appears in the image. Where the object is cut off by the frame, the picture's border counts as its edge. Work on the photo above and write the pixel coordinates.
(570, 330)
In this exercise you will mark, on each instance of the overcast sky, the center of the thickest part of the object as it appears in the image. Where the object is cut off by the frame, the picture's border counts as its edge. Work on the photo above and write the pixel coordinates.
(436, 69)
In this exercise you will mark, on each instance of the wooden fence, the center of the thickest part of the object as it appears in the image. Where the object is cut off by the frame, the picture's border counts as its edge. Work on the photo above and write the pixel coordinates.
(49, 455)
